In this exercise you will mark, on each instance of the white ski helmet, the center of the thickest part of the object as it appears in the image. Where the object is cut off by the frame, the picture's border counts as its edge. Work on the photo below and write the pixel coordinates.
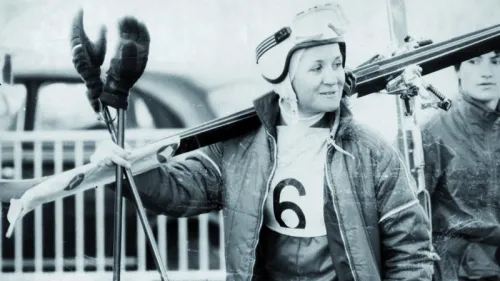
(319, 25)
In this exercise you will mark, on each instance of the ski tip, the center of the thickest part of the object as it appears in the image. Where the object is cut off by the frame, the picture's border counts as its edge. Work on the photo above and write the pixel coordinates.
(13, 215)
(10, 230)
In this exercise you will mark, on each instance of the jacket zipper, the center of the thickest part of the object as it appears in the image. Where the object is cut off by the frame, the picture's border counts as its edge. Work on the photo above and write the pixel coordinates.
(261, 220)
(342, 231)
(491, 148)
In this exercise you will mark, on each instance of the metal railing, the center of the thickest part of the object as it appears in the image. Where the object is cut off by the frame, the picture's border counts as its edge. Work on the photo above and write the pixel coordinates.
(70, 238)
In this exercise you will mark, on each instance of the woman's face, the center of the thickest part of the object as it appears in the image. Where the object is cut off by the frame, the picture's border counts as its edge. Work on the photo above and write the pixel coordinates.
(319, 80)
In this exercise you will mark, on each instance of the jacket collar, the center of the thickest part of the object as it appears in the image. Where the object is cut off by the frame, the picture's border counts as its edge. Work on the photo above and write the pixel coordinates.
(473, 110)
(268, 111)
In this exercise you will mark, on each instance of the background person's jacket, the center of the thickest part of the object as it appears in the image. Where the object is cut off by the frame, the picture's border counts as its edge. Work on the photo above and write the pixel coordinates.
(462, 167)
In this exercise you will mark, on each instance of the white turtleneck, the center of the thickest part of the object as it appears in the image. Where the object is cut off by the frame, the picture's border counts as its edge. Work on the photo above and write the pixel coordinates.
(302, 122)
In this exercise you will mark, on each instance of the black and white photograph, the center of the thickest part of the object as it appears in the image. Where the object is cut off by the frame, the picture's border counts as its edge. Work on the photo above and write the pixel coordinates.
(250, 140)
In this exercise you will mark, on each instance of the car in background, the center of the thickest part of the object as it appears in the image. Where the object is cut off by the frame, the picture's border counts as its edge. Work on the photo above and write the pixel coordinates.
(55, 100)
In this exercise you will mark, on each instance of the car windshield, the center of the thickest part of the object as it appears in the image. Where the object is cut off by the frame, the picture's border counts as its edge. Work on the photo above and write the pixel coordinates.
(62, 106)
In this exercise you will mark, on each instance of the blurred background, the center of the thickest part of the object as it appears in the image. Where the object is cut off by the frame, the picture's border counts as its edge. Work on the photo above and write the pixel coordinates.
(201, 66)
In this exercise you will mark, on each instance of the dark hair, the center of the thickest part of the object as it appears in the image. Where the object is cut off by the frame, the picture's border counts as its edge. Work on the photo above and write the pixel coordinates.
(457, 66)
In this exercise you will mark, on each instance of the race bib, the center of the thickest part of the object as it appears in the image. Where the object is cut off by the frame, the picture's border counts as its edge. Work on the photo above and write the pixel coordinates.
(294, 205)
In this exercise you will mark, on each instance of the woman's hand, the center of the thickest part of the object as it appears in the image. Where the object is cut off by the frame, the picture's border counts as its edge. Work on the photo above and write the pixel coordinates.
(109, 153)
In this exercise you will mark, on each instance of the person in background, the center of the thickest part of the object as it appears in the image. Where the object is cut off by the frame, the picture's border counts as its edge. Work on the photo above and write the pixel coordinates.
(462, 167)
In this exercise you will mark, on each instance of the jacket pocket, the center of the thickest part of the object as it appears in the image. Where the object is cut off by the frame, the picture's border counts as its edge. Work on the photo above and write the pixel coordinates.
(475, 264)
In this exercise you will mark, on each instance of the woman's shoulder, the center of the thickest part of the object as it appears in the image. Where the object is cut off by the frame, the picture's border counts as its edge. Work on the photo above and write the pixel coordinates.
(362, 134)
(370, 147)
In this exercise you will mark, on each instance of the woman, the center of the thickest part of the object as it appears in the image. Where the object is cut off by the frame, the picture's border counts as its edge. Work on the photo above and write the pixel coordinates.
(310, 194)
(462, 152)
